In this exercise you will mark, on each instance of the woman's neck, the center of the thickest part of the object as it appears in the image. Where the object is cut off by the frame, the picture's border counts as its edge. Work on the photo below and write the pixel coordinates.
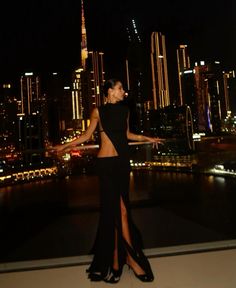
(112, 101)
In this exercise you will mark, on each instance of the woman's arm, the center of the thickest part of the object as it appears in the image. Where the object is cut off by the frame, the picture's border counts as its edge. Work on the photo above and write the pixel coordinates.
(94, 118)
(140, 137)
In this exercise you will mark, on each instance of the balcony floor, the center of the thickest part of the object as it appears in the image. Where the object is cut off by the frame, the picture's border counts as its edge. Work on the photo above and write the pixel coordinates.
(209, 265)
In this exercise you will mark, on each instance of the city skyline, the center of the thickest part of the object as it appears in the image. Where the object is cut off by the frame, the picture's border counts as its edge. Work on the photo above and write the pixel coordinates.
(46, 37)
(131, 35)
(177, 64)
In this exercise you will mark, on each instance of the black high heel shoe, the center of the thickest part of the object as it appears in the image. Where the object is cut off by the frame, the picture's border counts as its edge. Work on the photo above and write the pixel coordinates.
(143, 277)
(113, 276)
(95, 277)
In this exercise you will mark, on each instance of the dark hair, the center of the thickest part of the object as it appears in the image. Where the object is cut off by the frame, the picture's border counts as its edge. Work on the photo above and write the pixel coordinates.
(109, 84)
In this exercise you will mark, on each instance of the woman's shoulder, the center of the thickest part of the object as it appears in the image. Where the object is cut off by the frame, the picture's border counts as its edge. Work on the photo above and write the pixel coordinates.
(95, 113)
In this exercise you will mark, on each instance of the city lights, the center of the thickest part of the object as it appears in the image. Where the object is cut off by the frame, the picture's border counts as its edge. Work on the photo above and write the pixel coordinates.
(187, 107)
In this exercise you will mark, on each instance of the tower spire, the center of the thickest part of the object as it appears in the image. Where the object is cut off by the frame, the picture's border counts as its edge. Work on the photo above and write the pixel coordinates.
(84, 49)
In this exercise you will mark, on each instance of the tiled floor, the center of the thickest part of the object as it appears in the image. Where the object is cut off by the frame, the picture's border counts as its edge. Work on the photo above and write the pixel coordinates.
(212, 269)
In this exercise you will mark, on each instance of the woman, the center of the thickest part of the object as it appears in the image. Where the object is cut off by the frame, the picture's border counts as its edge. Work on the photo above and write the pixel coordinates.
(118, 241)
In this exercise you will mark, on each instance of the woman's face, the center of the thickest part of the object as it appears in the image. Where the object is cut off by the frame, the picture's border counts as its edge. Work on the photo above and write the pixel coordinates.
(117, 92)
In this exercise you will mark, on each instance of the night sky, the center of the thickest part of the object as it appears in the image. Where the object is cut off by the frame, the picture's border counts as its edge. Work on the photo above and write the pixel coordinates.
(44, 35)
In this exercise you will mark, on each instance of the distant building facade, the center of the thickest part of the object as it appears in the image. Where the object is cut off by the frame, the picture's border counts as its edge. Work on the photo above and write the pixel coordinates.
(32, 122)
(173, 123)
(160, 82)
(209, 89)
(8, 120)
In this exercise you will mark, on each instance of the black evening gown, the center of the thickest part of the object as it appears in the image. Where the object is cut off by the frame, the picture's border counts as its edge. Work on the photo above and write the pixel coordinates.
(114, 173)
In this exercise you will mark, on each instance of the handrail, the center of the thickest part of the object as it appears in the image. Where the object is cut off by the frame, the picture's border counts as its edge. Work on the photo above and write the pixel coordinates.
(91, 146)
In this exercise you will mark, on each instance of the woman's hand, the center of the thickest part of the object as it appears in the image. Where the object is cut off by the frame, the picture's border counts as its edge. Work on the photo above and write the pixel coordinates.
(59, 149)
(153, 139)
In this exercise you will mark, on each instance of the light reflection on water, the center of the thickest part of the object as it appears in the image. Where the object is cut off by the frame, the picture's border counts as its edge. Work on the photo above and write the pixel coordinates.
(82, 190)
(220, 180)
(178, 207)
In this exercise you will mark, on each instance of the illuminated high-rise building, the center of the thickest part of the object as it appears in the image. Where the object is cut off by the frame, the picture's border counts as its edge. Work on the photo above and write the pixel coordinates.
(8, 120)
(229, 79)
(186, 79)
(134, 51)
(229, 103)
(87, 82)
(209, 96)
(31, 119)
(77, 105)
(160, 83)
(84, 48)
(30, 94)
(87, 88)
(183, 62)
(97, 77)
(172, 122)
(136, 65)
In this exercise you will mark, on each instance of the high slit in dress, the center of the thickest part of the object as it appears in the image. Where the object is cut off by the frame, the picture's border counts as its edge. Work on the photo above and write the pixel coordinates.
(114, 175)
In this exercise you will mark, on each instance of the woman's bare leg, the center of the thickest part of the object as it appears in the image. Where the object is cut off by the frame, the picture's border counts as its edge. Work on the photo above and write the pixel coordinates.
(126, 234)
(115, 261)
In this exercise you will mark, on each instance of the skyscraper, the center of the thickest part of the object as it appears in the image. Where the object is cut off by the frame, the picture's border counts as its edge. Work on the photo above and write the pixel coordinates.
(186, 79)
(55, 95)
(31, 124)
(209, 94)
(160, 83)
(84, 48)
(77, 105)
(30, 94)
(8, 120)
(229, 86)
(87, 81)
(97, 77)
(183, 62)
(136, 63)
